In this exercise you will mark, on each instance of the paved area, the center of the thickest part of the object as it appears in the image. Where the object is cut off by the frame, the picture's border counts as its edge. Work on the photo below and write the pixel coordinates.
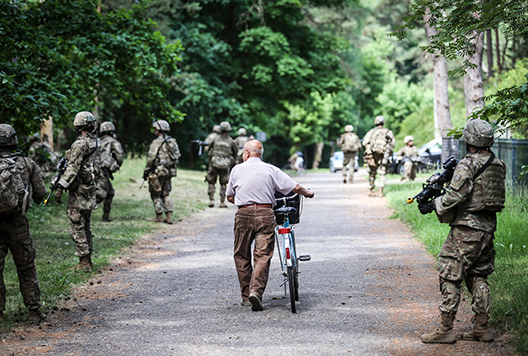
(370, 289)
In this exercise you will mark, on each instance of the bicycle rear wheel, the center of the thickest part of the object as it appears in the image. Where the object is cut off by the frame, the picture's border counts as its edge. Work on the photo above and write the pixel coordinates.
(291, 284)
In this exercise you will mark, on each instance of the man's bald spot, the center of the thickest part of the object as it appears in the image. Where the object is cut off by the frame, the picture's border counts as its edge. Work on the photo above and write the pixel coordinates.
(254, 147)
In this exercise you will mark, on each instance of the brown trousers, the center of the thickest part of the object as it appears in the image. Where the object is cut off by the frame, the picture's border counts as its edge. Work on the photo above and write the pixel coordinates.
(253, 224)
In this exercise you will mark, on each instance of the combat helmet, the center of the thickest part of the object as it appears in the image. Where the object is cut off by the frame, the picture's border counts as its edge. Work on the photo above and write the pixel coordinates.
(349, 128)
(8, 135)
(379, 120)
(478, 133)
(225, 126)
(84, 121)
(242, 132)
(408, 139)
(216, 128)
(161, 125)
(107, 126)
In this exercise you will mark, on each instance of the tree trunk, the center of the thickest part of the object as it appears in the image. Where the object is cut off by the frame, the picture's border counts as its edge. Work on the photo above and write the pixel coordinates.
(46, 131)
(473, 86)
(441, 104)
(497, 50)
(318, 156)
(489, 52)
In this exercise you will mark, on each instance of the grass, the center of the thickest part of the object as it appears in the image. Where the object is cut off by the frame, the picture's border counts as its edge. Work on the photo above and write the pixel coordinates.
(130, 209)
(509, 282)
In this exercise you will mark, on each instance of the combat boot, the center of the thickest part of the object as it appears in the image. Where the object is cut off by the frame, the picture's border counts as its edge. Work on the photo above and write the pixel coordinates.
(36, 315)
(211, 200)
(106, 217)
(168, 218)
(158, 218)
(84, 264)
(381, 194)
(372, 192)
(480, 330)
(222, 203)
(444, 334)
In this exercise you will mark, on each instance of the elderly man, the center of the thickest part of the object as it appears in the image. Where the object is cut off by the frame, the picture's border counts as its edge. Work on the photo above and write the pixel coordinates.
(252, 185)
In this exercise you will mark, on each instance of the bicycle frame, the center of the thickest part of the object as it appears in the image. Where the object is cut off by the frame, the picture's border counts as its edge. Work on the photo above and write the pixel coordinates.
(285, 237)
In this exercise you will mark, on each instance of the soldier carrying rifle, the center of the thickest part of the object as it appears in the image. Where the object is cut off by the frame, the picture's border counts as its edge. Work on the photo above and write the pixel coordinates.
(469, 205)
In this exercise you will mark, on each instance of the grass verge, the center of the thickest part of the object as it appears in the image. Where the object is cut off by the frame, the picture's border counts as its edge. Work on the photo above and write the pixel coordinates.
(130, 209)
(509, 282)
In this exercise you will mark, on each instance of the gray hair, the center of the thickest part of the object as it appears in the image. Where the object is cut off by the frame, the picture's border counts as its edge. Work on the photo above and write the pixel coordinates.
(259, 151)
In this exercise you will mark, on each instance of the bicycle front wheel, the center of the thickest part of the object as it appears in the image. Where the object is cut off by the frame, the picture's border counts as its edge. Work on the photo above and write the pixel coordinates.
(291, 284)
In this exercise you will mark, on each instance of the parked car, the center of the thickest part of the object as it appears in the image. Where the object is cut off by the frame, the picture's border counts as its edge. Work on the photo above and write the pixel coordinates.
(336, 162)
(430, 158)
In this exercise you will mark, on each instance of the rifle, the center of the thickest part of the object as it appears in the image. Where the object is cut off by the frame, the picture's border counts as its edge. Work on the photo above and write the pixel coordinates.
(61, 168)
(434, 185)
(202, 144)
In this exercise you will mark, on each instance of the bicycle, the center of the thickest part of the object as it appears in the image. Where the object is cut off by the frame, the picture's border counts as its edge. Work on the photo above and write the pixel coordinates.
(285, 239)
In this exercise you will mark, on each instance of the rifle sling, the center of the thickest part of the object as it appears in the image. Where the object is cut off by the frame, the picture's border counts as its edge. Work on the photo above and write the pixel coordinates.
(486, 165)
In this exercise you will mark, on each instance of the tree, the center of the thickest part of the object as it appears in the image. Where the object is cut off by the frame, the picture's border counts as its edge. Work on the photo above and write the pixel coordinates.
(59, 57)
(459, 28)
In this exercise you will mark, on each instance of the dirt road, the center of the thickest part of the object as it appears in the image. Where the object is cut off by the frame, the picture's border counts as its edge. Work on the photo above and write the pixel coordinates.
(370, 289)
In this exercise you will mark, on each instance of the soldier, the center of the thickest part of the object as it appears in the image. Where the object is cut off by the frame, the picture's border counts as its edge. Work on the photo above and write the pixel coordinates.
(350, 145)
(379, 143)
(21, 181)
(409, 155)
(240, 141)
(43, 155)
(80, 178)
(222, 156)
(111, 161)
(162, 158)
(212, 135)
(470, 204)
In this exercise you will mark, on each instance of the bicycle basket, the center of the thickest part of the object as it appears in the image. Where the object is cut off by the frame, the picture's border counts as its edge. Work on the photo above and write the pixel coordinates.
(288, 200)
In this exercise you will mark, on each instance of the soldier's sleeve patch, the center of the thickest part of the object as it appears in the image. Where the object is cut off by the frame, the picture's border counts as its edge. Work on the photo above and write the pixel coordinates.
(457, 178)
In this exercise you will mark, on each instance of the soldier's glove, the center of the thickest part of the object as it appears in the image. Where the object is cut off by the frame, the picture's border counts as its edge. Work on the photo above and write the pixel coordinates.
(58, 194)
(427, 207)
(145, 175)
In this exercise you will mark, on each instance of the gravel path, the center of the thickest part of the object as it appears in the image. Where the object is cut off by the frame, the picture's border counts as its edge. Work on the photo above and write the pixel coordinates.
(370, 289)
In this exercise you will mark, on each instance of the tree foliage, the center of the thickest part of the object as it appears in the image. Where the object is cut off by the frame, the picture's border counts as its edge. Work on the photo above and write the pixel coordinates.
(60, 57)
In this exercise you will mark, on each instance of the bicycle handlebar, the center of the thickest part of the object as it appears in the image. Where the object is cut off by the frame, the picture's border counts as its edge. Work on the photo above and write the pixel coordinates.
(278, 200)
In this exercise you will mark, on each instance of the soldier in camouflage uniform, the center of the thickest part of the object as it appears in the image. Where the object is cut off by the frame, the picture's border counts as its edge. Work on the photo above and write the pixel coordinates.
(470, 204)
(212, 135)
(350, 145)
(409, 155)
(80, 179)
(222, 156)
(14, 227)
(43, 155)
(111, 161)
(379, 143)
(240, 141)
(162, 158)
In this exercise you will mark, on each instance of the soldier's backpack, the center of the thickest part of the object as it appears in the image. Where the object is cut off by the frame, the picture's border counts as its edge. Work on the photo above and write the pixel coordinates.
(221, 155)
(12, 189)
(379, 140)
(349, 143)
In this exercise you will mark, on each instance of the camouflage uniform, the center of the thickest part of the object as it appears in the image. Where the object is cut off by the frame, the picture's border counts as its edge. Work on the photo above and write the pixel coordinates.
(44, 156)
(240, 141)
(111, 160)
(15, 236)
(162, 158)
(470, 203)
(80, 178)
(409, 155)
(222, 156)
(350, 145)
(468, 252)
(212, 135)
(379, 143)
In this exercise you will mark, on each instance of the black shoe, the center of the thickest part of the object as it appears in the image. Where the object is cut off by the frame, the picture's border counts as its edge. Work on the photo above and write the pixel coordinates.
(256, 302)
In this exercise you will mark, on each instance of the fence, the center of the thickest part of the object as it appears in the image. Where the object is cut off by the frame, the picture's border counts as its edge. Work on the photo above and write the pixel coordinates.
(512, 152)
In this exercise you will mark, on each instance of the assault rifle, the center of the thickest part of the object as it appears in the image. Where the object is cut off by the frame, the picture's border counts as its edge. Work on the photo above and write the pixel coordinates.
(434, 185)
(61, 168)
(202, 144)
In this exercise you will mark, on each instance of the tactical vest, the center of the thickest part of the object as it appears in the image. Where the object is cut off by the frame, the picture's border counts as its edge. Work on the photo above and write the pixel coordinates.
(349, 142)
(90, 169)
(107, 159)
(222, 156)
(489, 192)
(13, 192)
